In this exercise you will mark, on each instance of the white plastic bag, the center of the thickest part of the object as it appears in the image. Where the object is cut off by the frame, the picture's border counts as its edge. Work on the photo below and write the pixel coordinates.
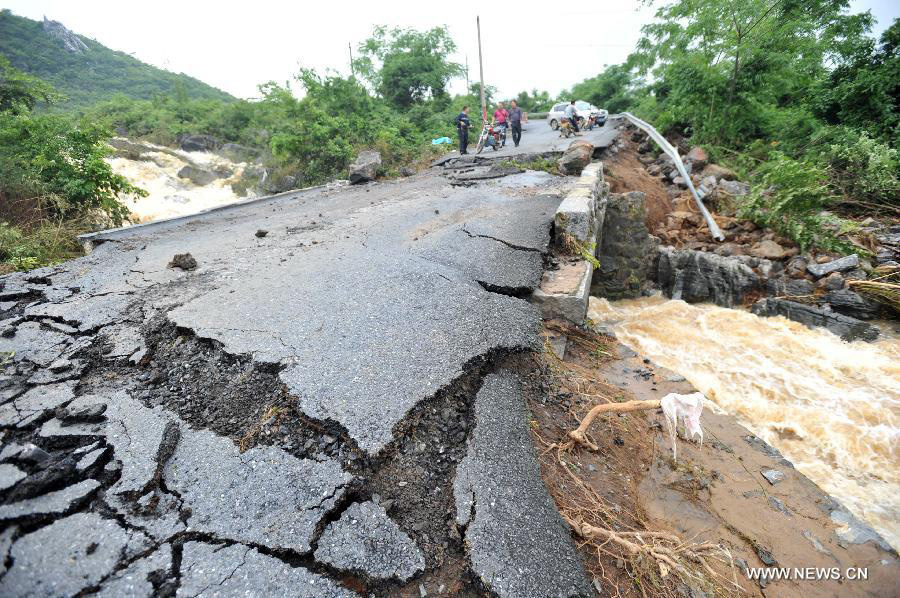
(688, 408)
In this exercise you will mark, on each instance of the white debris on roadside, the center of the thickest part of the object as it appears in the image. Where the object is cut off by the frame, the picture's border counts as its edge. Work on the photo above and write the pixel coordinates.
(688, 407)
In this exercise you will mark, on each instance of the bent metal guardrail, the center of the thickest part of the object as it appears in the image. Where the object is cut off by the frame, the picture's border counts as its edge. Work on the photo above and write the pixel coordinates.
(673, 153)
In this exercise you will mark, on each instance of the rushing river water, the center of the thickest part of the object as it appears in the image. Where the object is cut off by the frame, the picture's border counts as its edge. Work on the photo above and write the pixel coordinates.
(170, 195)
(832, 408)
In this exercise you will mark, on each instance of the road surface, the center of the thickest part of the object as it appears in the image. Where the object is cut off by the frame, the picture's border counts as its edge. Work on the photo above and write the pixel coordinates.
(537, 136)
(332, 401)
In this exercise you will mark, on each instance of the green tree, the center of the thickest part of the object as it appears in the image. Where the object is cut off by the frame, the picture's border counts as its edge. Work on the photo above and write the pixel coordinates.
(536, 101)
(724, 68)
(20, 92)
(615, 89)
(863, 90)
(45, 157)
(406, 66)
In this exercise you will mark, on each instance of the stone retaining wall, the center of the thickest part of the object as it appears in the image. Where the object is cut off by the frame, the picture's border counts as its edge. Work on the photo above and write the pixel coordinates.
(627, 252)
(578, 221)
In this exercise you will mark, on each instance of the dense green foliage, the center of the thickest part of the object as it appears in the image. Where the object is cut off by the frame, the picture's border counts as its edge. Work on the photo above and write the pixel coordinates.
(20, 92)
(796, 95)
(44, 155)
(407, 66)
(94, 74)
(615, 89)
(535, 101)
(53, 176)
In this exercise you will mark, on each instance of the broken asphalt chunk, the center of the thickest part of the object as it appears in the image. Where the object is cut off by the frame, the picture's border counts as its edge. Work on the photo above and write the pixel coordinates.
(366, 540)
(517, 543)
(52, 503)
(35, 404)
(135, 432)
(773, 476)
(263, 496)
(69, 556)
(209, 570)
(10, 475)
(134, 581)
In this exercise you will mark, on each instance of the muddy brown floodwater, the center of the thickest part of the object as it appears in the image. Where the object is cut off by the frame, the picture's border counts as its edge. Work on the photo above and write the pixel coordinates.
(831, 407)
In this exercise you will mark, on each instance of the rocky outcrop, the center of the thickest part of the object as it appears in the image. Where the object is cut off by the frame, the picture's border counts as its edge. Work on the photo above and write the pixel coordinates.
(196, 175)
(720, 172)
(576, 157)
(365, 168)
(627, 252)
(695, 276)
(698, 157)
(851, 304)
(238, 153)
(843, 264)
(849, 329)
(197, 143)
(70, 41)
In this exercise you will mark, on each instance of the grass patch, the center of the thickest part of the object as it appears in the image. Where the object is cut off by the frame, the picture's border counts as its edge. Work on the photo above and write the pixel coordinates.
(44, 243)
(547, 165)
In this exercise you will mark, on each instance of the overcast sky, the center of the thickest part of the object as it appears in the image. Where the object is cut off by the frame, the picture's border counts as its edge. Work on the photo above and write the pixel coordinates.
(237, 45)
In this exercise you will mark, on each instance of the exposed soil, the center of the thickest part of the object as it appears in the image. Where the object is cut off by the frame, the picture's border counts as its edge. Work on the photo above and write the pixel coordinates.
(713, 494)
(624, 172)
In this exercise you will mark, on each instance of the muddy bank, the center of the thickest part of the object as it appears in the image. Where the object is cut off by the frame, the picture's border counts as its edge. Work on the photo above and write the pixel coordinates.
(829, 406)
(714, 494)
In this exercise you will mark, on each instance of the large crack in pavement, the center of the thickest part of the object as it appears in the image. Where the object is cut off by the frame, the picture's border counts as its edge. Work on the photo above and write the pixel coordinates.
(290, 415)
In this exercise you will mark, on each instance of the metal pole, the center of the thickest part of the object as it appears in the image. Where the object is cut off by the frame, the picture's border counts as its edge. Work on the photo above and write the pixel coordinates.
(481, 71)
(352, 71)
(655, 135)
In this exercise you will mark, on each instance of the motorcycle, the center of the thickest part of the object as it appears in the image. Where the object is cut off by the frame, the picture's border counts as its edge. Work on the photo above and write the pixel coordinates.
(492, 136)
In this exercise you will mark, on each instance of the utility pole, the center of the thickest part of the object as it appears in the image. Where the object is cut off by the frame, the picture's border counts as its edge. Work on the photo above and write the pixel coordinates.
(481, 71)
(350, 47)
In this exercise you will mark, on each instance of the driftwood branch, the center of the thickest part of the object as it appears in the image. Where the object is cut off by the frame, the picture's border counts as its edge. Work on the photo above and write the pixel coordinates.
(579, 434)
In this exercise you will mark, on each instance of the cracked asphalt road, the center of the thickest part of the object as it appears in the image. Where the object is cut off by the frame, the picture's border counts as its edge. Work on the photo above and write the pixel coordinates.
(340, 354)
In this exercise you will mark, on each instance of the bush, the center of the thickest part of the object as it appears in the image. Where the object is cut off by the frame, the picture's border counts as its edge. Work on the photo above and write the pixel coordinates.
(42, 245)
(791, 197)
(865, 169)
(48, 157)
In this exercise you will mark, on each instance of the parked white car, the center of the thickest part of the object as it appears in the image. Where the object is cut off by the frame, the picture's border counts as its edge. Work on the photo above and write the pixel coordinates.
(584, 110)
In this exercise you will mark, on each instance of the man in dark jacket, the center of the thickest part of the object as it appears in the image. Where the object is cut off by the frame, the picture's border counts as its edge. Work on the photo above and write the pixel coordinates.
(462, 127)
(515, 121)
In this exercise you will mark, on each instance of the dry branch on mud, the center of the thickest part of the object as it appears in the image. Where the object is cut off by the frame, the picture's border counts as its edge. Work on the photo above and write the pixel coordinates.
(626, 555)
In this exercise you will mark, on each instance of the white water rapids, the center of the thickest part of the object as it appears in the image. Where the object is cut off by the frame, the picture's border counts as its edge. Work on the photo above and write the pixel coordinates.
(831, 407)
(171, 195)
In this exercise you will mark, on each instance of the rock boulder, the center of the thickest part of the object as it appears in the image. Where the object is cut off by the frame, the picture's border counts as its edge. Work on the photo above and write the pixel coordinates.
(365, 168)
(851, 304)
(197, 143)
(848, 262)
(720, 172)
(768, 249)
(238, 153)
(698, 157)
(695, 276)
(576, 157)
(849, 329)
(196, 175)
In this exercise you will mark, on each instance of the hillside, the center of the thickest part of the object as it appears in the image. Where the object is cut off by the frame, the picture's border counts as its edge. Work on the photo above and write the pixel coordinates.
(85, 71)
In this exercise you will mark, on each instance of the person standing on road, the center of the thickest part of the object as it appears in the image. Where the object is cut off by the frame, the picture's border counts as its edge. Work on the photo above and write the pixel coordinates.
(462, 127)
(515, 122)
(572, 115)
(501, 116)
